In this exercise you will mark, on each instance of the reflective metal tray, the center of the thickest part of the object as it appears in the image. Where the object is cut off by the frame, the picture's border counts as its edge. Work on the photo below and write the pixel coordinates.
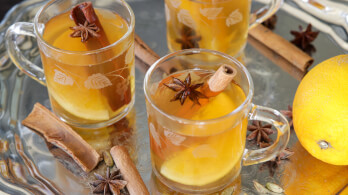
(28, 167)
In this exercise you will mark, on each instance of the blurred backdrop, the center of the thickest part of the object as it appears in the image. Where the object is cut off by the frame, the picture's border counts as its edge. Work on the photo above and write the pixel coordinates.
(5, 5)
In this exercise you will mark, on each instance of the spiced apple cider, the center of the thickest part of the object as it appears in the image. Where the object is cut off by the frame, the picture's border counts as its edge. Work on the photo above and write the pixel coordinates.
(93, 78)
(196, 156)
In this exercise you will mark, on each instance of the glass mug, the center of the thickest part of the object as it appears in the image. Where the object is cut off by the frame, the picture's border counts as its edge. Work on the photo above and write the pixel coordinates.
(220, 25)
(87, 89)
(204, 156)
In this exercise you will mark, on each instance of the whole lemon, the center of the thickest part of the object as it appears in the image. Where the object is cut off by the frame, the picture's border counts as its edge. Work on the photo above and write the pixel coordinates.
(320, 111)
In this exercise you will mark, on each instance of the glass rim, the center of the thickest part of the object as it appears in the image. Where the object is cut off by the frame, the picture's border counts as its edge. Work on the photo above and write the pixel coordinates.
(241, 107)
(42, 40)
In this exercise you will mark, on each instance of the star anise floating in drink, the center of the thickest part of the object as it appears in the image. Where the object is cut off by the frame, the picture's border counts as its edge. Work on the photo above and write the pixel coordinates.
(303, 39)
(184, 89)
(110, 184)
(288, 114)
(85, 31)
(260, 133)
(188, 39)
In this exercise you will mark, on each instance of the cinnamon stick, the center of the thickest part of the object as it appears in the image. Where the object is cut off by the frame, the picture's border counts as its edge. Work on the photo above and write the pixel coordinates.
(220, 80)
(85, 12)
(144, 53)
(135, 185)
(277, 59)
(63, 136)
(146, 57)
(282, 47)
(215, 85)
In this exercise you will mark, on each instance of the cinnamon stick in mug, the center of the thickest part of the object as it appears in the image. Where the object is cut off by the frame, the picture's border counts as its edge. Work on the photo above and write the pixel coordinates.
(84, 13)
(213, 87)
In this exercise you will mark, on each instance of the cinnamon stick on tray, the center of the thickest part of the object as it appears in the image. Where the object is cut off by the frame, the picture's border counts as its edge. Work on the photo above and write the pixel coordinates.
(281, 47)
(146, 57)
(144, 53)
(63, 136)
(277, 59)
(135, 185)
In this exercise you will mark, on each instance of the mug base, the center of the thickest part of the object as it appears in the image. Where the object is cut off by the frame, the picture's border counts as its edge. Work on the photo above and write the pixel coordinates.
(182, 188)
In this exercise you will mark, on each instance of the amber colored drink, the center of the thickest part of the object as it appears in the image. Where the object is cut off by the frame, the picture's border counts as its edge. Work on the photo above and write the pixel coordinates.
(89, 88)
(196, 156)
(220, 25)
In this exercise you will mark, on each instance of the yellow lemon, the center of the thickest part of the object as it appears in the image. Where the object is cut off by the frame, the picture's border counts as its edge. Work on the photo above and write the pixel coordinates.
(320, 111)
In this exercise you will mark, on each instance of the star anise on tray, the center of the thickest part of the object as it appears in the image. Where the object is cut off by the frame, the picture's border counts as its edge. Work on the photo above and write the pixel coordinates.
(184, 89)
(260, 133)
(110, 184)
(303, 39)
(188, 39)
(273, 164)
(85, 31)
(288, 114)
(270, 22)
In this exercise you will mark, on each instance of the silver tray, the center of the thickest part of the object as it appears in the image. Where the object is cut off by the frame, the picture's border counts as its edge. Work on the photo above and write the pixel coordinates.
(28, 166)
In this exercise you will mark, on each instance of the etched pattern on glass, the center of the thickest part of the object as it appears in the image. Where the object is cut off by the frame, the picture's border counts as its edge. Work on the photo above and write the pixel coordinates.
(174, 138)
(211, 13)
(62, 78)
(97, 81)
(234, 18)
(185, 18)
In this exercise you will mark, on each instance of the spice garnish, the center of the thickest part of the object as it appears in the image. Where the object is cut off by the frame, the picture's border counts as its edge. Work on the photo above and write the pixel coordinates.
(184, 89)
(85, 31)
(271, 22)
(274, 163)
(189, 39)
(260, 133)
(303, 39)
(108, 159)
(111, 183)
(288, 114)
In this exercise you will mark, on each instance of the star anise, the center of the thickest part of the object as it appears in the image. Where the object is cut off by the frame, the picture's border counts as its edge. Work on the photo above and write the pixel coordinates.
(184, 89)
(188, 39)
(110, 184)
(260, 133)
(303, 39)
(273, 164)
(270, 22)
(85, 31)
(288, 114)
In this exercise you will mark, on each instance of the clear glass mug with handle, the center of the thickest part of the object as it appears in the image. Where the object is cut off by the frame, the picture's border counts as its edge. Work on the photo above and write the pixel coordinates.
(220, 25)
(191, 155)
(88, 88)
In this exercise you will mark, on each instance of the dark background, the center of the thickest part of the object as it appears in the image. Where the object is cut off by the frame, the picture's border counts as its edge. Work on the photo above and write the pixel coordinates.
(6, 5)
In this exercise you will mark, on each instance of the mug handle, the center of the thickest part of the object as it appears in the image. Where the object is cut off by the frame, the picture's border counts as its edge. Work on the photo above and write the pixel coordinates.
(272, 7)
(22, 63)
(279, 121)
